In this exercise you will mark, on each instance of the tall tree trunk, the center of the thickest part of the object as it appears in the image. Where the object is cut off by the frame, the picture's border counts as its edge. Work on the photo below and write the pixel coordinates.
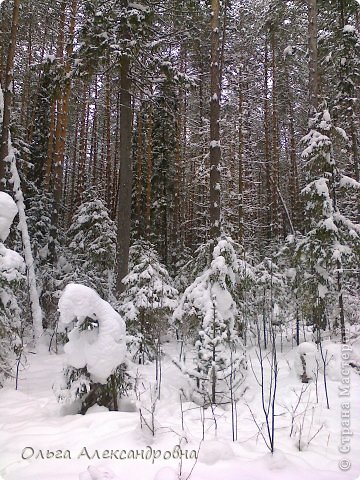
(8, 94)
(139, 172)
(149, 173)
(82, 147)
(215, 151)
(241, 158)
(62, 120)
(125, 183)
(313, 55)
(275, 167)
(267, 145)
(108, 159)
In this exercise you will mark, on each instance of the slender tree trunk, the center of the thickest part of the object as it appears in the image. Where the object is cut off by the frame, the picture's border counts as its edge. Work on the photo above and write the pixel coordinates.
(125, 184)
(313, 56)
(139, 173)
(267, 151)
(275, 142)
(215, 150)
(109, 172)
(241, 158)
(149, 173)
(82, 148)
(8, 94)
(62, 120)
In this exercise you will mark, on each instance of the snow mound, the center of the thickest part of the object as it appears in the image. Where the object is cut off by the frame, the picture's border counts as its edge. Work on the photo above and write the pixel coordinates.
(101, 350)
(10, 264)
(276, 461)
(306, 352)
(314, 360)
(213, 451)
(332, 357)
(166, 473)
(98, 473)
(96, 409)
(8, 211)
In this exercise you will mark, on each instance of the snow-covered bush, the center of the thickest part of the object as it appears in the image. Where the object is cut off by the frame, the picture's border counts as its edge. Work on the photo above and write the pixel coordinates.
(148, 300)
(220, 361)
(96, 350)
(91, 247)
(11, 275)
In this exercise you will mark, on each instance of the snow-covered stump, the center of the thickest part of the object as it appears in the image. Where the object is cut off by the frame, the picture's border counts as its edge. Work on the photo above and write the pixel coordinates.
(96, 349)
(306, 362)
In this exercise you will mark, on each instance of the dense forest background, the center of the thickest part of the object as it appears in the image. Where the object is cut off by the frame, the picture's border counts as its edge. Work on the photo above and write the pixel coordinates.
(177, 123)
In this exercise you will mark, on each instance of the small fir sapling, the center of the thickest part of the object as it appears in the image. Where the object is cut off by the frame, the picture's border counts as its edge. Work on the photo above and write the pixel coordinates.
(220, 357)
(148, 301)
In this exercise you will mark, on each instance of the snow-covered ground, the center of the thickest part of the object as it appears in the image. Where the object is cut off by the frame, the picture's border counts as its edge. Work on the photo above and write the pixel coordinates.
(31, 417)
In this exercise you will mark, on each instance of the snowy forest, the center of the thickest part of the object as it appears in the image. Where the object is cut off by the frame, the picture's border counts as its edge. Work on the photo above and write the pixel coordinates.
(179, 239)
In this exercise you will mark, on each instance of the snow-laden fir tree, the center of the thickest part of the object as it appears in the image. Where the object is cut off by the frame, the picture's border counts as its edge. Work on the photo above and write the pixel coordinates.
(12, 268)
(220, 361)
(148, 300)
(270, 298)
(332, 240)
(95, 352)
(91, 247)
(44, 244)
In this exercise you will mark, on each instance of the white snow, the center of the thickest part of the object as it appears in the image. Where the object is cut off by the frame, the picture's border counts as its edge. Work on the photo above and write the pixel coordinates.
(289, 50)
(346, 182)
(32, 417)
(349, 29)
(8, 211)
(10, 263)
(36, 312)
(215, 143)
(100, 350)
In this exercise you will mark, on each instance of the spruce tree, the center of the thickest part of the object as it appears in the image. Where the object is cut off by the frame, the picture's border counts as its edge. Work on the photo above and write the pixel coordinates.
(210, 300)
(332, 239)
(91, 247)
(148, 300)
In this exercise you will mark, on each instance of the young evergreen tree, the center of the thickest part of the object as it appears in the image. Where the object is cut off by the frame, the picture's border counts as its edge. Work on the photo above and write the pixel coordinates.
(332, 239)
(148, 300)
(91, 247)
(220, 362)
(12, 268)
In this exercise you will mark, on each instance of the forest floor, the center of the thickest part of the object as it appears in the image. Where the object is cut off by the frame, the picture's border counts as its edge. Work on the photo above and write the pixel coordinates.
(31, 417)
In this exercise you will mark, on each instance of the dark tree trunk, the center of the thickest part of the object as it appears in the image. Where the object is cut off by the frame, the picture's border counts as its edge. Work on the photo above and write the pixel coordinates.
(313, 60)
(215, 151)
(8, 95)
(125, 181)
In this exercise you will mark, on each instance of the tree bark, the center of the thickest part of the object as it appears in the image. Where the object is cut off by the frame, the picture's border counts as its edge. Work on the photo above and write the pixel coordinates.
(215, 150)
(62, 120)
(8, 94)
(313, 56)
(125, 182)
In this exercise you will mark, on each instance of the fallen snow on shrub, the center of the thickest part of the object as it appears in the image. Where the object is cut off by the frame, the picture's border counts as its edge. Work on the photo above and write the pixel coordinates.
(99, 350)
